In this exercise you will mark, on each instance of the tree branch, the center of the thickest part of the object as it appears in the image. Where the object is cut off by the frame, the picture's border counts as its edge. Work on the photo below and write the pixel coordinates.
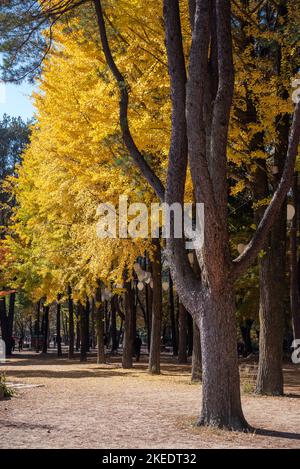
(182, 272)
(241, 263)
(134, 152)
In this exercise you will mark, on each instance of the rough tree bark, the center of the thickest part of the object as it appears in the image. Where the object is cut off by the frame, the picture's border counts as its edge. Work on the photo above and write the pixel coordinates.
(182, 336)
(128, 339)
(172, 317)
(46, 329)
(196, 355)
(154, 355)
(82, 321)
(99, 326)
(71, 323)
(58, 328)
(113, 325)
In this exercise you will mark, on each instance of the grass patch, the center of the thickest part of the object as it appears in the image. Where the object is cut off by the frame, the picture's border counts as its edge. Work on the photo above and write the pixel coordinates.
(5, 391)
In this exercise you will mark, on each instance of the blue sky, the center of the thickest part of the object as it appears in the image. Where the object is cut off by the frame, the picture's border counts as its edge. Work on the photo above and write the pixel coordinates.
(15, 100)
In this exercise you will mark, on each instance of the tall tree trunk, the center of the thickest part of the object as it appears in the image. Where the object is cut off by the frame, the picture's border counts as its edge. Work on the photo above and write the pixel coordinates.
(272, 311)
(196, 355)
(272, 276)
(87, 319)
(37, 345)
(182, 352)
(149, 297)
(99, 326)
(4, 327)
(93, 330)
(46, 329)
(82, 319)
(221, 404)
(128, 339)
(77, 328)
(58, 329)
(11, 313)
(71, 324)
(154, 356)
(113, 325)
(294, 272)
(172, 317)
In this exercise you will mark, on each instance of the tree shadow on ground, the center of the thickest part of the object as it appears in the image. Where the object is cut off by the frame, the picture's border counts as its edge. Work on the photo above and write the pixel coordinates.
(67, 374)
(277, 434)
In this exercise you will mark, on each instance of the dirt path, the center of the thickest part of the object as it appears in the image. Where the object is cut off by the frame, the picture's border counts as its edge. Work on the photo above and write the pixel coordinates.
(93, 406)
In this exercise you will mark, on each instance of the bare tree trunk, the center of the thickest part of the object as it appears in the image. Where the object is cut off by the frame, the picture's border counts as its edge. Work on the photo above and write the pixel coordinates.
(149, 298)
(113, 325)
(93, 330)
(87, 324)
(37, 345)
(82, 319)
(172, 317)
(4, 327)
(196, 355)
(99, 327)
(128, 339)
(182, 342)
(220, 373)
(58, 329)
(77, 328)
(154, 356)
(46, 329)
(71, 323)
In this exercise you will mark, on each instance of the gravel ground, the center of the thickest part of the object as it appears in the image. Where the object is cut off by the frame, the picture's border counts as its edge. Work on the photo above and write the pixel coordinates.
(103, 406)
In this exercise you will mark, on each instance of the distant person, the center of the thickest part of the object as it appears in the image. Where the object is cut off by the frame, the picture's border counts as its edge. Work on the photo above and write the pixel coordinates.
(137, 347)
(20, 344)
(13, 344)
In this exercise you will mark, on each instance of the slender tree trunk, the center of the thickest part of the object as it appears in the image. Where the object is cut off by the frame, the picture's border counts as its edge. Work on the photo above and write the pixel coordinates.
(77, 328)
(128, 339)
(37, 345)
(46, 329)
(294, 272)
(182, 342)
(149, 297)
(172, 317)
(154, 356)
(113, 325)
(99, 327)
(93, 334)
(11, 313)
(196, 355)
(272, 282)
(4, 327)
(82, 319)
(221, 404)
(87, 324)
(58, 329)
(71, 324)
